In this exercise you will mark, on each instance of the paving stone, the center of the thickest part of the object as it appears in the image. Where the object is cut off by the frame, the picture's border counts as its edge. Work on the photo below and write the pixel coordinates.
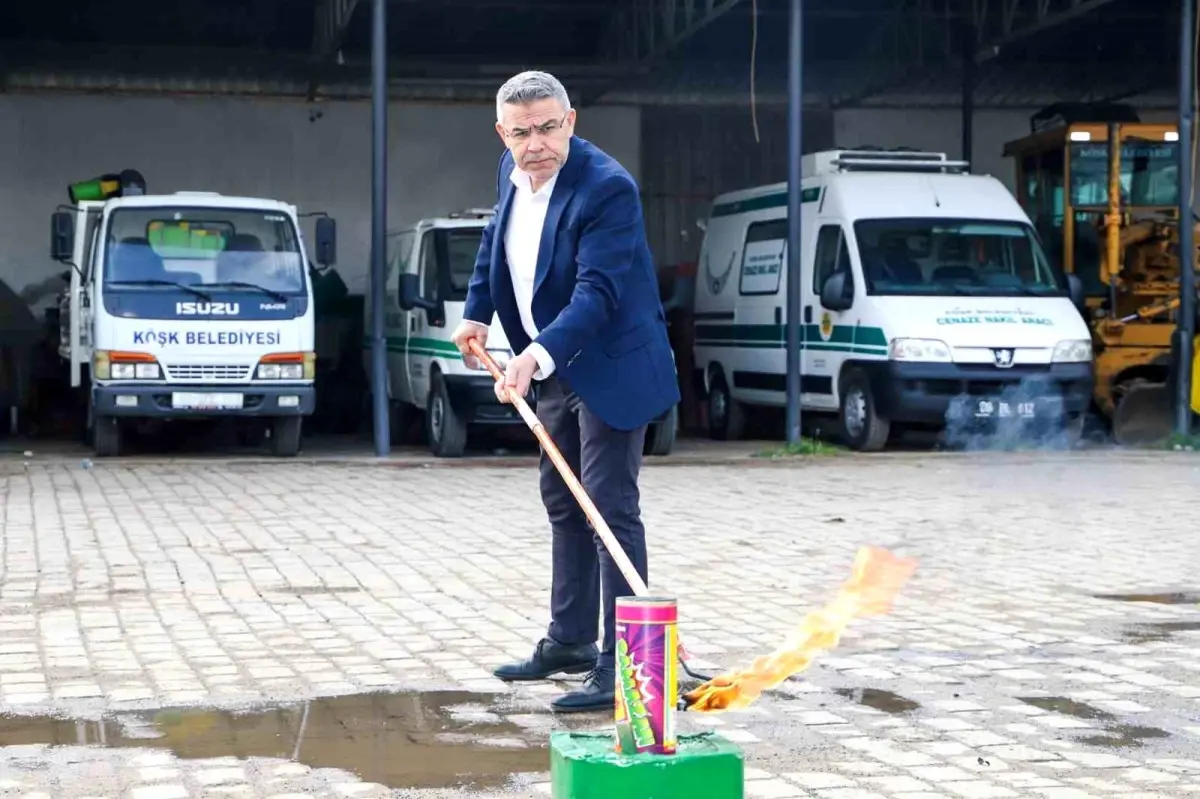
(115, 595)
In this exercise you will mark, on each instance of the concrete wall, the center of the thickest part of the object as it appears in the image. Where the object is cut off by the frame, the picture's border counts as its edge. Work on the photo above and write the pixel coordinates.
(441, 158)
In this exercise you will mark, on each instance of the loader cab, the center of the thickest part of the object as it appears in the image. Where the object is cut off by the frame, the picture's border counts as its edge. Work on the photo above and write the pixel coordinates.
(1062, 181)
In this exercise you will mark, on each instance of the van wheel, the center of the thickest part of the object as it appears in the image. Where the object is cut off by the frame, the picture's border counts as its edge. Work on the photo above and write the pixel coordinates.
(726, 417)
(107, 436)
(660, 437)
(447, 431)
(863, 429)
(285, 436)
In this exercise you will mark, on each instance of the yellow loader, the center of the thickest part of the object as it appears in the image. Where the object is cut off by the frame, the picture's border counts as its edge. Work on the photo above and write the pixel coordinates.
(1109, 214)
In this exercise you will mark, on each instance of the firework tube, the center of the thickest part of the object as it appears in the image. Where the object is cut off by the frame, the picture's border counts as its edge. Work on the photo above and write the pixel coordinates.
(647, 684)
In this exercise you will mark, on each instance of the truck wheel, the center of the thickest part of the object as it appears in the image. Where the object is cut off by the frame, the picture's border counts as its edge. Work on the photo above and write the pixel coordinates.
(726, 416)
(660, 437)
(447, 432)
(863, 429)
(106, 436)
(285, 436)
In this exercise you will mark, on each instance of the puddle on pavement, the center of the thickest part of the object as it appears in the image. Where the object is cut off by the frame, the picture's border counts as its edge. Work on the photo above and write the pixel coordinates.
(1159, 631)
(885, 701)
(1111, 734)
(415, 740)
(1175, 598)
(1068, 707)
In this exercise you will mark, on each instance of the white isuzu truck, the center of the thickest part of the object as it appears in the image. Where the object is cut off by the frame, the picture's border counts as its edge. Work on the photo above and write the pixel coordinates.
(187, 305)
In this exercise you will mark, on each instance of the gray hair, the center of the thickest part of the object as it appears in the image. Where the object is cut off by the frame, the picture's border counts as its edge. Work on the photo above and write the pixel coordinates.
(529, 87)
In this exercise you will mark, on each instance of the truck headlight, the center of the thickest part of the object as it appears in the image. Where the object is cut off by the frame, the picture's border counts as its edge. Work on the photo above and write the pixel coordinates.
(108, 365)
(287, 366)
(919, 349)
(1073, 351)
(280, 371)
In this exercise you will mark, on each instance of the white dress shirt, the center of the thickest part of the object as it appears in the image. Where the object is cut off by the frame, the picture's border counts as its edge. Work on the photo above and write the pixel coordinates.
(522, 240)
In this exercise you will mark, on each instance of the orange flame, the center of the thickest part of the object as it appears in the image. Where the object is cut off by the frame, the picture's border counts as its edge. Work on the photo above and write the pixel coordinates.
(877, 577)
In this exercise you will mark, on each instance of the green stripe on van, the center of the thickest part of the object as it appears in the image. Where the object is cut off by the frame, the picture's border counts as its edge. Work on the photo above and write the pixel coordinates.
(765, 202)
(417, 345)
(855, 339)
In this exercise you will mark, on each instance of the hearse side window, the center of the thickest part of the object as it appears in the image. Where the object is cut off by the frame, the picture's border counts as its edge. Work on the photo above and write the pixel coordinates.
(763, 256)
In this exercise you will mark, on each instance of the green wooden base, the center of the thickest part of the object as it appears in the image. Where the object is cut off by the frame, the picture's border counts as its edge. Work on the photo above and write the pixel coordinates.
(583, 765)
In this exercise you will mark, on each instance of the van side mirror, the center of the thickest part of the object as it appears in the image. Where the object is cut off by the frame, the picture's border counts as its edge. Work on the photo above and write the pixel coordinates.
(837, 292)
(410, 294)
(326, 241)
(62, 236)
(1075, 291)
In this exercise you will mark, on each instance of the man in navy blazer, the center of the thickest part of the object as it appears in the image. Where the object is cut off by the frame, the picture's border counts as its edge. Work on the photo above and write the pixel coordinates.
(565, 266)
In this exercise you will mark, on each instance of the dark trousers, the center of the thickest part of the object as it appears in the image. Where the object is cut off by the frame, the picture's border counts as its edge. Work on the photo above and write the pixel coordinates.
(607, 463)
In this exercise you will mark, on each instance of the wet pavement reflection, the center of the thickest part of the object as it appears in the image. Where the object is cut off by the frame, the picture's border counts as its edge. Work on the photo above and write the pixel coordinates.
(1111, 733)
(1174, 598)
(405, 740)
(878, 699)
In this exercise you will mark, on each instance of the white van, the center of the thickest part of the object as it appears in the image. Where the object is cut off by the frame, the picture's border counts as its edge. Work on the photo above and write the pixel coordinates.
(926, 300)
(429, 267)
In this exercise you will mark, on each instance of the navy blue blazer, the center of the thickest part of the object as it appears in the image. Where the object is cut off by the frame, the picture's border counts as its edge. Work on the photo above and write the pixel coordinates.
(595, 297)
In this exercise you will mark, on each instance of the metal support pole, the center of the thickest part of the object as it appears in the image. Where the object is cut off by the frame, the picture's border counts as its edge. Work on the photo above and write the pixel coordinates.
(969, 78)
(1186, 330)
(795, 150)
(379, 101)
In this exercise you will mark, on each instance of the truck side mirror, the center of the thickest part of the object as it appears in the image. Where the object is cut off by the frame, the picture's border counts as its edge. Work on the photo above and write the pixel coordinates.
(1075, 291)
(326, 241)
(62, 236)
(837, 292)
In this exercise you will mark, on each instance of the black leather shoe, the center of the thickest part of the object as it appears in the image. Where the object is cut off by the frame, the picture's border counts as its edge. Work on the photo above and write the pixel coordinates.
(549, 658)
(595, 694)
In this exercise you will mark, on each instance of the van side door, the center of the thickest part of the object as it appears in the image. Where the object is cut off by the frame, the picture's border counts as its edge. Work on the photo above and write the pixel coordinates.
(759, 373)
(831, 334)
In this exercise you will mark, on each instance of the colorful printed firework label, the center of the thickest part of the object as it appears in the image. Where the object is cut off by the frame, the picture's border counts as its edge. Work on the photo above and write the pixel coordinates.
(645, 720)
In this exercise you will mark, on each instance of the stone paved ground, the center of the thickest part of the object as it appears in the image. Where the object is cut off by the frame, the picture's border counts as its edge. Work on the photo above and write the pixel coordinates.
(128, 588)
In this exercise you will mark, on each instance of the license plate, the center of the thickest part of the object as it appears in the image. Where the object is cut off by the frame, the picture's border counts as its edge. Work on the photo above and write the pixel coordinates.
(206, 402)
(1000, 409)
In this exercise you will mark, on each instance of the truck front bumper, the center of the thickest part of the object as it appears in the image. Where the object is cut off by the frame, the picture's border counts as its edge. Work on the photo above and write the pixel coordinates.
(175, 401)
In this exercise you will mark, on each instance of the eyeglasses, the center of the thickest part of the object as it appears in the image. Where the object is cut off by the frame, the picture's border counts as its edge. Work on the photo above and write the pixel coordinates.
(544, 129)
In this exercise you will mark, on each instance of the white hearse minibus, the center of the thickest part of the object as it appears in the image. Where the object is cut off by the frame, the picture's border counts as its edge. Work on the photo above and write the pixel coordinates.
(926, 301)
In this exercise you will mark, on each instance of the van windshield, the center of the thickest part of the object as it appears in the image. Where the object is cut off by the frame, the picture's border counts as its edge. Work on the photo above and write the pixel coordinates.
(954, 257)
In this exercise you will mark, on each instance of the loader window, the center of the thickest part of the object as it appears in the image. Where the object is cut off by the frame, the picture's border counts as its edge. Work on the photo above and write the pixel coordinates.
(955, 257)
(1148, 173)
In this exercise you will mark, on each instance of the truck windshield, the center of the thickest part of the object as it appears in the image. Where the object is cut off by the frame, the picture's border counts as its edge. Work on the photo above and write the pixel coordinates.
(237, 250)
(947, 257)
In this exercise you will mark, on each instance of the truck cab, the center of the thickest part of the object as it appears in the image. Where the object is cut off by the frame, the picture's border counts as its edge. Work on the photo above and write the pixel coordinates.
(188, 305)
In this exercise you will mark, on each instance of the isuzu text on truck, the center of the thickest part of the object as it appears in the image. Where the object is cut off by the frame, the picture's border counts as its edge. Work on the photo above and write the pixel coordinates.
(187, 305)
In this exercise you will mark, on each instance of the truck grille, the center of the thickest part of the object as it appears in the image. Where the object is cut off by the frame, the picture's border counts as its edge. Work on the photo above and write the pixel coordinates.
(208, 372)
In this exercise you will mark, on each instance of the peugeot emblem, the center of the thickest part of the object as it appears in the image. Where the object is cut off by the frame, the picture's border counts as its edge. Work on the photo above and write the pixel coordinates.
(1003, 358)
